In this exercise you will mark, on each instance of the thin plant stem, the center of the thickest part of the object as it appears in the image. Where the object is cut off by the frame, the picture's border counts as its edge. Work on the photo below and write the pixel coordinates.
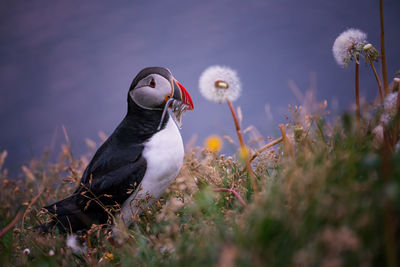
(378, 80)
(271, 144)
(236, 194)
(383, 53)
(11, 225)
(244, 149)
(29, 207)
(287, 146)
(397, 122)
(358, 112)
(389, 228)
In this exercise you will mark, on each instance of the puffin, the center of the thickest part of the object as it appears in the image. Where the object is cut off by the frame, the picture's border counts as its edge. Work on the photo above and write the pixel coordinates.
(136, 164)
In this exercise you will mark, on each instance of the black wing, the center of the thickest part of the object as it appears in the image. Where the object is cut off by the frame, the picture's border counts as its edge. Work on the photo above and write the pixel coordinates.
(114, 171)
(110, 178)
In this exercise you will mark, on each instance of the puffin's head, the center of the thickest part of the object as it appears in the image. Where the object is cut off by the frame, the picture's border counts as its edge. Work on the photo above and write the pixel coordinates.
(155, 88)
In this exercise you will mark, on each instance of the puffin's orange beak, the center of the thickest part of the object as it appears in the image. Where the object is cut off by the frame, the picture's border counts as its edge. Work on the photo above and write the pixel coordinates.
(182, 95)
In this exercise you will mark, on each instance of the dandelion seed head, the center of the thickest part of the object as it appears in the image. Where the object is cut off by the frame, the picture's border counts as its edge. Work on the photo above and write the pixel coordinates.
(345, 43)
(26, 251)
(367, 47)
(390, 104)
(218, 83)
(51, 252)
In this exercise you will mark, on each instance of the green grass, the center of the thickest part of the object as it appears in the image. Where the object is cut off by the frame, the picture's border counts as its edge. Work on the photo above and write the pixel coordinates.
(332, 204)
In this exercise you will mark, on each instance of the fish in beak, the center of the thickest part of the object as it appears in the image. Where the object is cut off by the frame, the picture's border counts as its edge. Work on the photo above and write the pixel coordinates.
(182, 102)
(178, 101)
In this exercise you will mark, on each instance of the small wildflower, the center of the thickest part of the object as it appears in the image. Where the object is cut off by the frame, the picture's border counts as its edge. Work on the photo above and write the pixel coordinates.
(109, 256)
(213, 143)
(348, 46)
(51, 252)
(72, 242)
(27, 251)
(219, 83)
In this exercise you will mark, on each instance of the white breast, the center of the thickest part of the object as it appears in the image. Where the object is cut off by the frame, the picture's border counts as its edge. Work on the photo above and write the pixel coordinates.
(164, 155)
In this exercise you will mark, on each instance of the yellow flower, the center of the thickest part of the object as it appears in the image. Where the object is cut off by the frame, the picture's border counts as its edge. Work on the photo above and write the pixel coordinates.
(213, 143)
(109, 256)
(244, 153)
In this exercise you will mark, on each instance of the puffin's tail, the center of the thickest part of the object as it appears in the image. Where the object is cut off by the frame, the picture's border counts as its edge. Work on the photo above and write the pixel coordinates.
(68, 217)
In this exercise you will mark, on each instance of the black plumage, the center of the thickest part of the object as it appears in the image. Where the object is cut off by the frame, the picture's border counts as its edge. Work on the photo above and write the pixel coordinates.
(114, 172)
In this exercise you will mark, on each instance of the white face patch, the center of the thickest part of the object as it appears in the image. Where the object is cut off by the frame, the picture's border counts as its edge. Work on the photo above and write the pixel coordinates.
(150, 92)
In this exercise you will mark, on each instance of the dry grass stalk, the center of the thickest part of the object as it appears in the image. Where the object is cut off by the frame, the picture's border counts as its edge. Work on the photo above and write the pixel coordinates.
(11, 225)
(243, 148)
(287, 144)
(270, 144)
(29, 208)
(236, 194)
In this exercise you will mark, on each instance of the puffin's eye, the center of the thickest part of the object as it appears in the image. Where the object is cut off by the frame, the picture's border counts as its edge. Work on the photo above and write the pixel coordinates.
(152, 83)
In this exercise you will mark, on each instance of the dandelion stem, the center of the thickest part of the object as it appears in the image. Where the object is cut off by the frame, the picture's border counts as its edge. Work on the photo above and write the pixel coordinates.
(389, 228)
(397, 123)
(238, 130)
(243, 147)
(378, 80)
(11, 225)
(271, 144)
(383, 53)
(358, 112)
(236, 194)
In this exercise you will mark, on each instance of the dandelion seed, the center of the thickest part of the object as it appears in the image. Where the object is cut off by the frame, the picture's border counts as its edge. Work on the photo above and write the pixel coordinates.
(27, 251)
(219, 83)
(213, 143)
(348, 46)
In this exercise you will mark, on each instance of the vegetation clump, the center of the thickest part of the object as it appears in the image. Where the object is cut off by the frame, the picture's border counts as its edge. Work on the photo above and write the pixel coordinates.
(335, 200)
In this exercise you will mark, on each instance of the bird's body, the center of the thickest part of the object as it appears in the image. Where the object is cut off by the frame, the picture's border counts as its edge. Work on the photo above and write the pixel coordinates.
(135, 164)
(163, 153)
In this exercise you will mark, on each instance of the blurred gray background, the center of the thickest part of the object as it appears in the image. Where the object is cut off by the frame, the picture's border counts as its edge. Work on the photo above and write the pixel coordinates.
(71, 62)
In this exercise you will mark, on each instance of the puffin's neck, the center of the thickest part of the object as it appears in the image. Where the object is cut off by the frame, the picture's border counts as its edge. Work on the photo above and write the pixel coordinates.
(140, 124)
